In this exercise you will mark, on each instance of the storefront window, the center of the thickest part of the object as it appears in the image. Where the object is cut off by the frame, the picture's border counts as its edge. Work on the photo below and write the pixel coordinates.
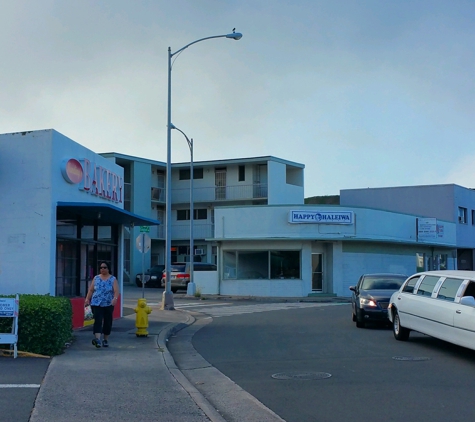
(79, 252)
(244, 265)
(420, 259)
(229, 265)
(253, 265)
(285, 264)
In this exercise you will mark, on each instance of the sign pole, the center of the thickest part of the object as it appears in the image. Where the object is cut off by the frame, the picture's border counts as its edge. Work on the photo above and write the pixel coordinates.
(143, 265)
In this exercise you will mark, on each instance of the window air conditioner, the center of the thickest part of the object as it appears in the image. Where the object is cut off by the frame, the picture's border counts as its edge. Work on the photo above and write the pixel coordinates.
(199, 252)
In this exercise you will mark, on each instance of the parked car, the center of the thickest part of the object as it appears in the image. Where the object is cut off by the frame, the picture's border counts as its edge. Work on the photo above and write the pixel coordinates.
(440, 304)
(153, 276)
(370, 297)
(180, 274)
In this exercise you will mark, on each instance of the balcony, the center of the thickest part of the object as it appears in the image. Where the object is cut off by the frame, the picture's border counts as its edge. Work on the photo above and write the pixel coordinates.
(182, 231)
(221, 193)
(200, 231)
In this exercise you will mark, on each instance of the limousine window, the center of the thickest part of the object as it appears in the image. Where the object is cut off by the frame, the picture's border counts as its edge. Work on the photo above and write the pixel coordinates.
(449, 288)
(470, 290)
(427, 285)
(409, 286)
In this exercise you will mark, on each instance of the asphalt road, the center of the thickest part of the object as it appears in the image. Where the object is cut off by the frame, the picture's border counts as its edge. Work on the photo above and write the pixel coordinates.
(20, 381)
(373, 376)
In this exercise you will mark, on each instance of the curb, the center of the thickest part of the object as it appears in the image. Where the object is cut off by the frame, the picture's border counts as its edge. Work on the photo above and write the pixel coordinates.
(196, 396)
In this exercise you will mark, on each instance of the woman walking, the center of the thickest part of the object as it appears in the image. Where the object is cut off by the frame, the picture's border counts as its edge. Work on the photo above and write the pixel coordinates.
(102, 295)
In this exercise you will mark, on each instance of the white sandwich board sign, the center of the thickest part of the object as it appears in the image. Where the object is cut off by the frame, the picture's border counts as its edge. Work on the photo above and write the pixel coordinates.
(9, 308)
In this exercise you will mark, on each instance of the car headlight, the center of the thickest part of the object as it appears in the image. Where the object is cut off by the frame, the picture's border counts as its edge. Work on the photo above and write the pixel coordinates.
(368, 302)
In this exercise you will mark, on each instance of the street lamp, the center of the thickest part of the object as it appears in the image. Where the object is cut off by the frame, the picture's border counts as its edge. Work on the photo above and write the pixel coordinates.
(167, 299)
(191, 288)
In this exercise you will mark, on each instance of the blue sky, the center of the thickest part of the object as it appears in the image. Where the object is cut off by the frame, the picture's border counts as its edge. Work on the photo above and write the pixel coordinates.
(364, 93)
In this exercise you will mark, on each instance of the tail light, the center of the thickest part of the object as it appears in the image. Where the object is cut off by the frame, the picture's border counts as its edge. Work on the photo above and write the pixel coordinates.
(183, 276)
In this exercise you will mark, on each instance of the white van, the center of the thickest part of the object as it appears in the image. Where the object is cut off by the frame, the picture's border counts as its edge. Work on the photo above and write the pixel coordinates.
(440, 304)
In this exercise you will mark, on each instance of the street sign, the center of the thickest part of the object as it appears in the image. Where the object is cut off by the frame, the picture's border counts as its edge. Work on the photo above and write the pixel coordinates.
(144, 229)
(143, 242)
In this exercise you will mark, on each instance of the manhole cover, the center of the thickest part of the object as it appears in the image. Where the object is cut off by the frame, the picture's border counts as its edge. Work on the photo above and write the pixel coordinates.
(412, 358)
(301, 376)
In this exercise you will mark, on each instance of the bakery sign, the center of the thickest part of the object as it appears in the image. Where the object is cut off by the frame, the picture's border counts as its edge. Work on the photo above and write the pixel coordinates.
(321, 217)
(93, 179)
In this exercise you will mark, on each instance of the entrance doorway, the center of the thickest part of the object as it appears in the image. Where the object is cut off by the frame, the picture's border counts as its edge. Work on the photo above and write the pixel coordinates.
(317, 272)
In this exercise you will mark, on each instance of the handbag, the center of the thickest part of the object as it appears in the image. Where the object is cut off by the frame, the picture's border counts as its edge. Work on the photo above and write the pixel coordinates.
(88, 315)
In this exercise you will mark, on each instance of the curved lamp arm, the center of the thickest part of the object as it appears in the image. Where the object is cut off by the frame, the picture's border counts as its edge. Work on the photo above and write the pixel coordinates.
(235, 36)
(190, 142)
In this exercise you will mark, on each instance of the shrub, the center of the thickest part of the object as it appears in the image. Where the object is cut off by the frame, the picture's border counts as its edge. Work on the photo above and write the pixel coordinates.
(44, 324)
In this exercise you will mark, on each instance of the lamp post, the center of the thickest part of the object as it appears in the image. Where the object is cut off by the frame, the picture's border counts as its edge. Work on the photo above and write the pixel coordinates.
(167, 299)
(191, 288)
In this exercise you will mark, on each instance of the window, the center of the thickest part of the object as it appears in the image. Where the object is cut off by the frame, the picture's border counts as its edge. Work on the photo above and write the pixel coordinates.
(409, 286)
(265, 265)
(449, 289)
(473, 217)
(185, 173)
(242, 174)
(199, 214)
(285, 264)
(420, 262)
(427, 285)
(182, 215)
(462, 215)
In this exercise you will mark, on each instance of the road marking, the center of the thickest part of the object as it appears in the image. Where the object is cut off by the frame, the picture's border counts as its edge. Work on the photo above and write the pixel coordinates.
(19, 385)
(188, 305)
(217, 312)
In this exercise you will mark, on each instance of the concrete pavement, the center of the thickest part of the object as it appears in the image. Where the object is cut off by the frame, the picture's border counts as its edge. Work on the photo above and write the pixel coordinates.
(136, 378)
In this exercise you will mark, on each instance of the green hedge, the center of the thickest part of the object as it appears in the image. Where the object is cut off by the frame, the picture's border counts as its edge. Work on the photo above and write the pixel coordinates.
(44, 324)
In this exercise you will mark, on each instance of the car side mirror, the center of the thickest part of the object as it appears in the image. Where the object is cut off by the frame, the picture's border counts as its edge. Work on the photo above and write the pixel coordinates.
(353, 288)
(468, 301)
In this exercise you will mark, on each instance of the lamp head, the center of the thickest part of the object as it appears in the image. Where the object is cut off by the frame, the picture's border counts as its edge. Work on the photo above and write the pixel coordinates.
(235, 36)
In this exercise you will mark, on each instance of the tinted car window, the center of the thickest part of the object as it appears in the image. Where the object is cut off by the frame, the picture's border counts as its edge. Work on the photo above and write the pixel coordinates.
(382, 283)
(470, 290)
(427, 285)
(409, 286)
(178, 268)
(449, 289)
(204, 267)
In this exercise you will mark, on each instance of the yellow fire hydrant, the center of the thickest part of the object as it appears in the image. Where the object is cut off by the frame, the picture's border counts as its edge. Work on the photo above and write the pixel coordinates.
(141, 319)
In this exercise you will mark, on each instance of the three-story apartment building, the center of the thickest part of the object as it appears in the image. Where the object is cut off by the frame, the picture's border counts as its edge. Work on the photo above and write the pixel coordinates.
(235, 182)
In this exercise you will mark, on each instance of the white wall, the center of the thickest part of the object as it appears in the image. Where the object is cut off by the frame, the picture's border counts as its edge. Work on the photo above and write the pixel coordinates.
(279, 192)
(31, 185)
(256, 222)
(26, 218)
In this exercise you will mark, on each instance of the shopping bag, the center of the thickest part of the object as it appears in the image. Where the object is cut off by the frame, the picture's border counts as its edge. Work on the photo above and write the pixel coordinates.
(88, 315)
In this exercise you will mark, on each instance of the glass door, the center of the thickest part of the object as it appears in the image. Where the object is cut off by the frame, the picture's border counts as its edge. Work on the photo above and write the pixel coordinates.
(317, 272)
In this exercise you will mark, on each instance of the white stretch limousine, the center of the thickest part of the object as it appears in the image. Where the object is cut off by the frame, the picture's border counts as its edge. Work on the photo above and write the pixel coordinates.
(440, 304)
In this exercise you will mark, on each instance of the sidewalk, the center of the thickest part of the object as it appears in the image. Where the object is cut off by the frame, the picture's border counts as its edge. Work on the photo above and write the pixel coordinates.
(134, 379)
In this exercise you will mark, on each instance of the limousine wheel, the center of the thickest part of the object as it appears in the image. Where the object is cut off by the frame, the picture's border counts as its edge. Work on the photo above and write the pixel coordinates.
(400, 333)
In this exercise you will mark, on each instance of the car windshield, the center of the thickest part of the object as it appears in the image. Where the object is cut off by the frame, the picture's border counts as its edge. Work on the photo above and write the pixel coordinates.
(382, 283)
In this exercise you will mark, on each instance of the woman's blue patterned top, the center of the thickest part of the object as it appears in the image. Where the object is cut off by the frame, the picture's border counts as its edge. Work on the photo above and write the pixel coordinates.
(103, 291)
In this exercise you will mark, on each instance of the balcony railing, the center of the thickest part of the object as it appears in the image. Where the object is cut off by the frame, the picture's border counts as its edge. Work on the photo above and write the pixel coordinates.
(158, 194)
(182, 231)
(200, 231)
(221, 193)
